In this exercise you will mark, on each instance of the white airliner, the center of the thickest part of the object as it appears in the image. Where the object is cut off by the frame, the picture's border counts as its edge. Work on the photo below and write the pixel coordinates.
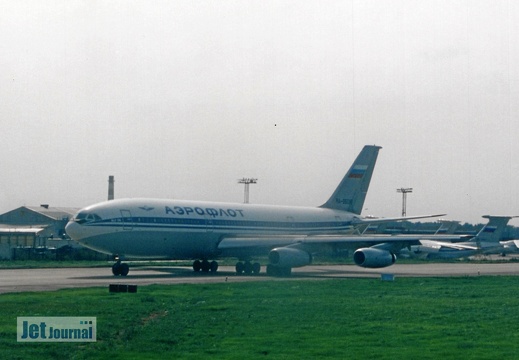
(487, 241)
(203, 231)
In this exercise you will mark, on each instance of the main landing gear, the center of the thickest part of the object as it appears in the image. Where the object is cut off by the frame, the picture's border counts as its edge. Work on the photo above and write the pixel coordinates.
(205, 266)
(120, 268)
(247, 268)
(278, 271)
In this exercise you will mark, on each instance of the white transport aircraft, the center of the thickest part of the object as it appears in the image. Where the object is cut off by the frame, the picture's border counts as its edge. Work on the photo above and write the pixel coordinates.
(487, 241)
(204, 231)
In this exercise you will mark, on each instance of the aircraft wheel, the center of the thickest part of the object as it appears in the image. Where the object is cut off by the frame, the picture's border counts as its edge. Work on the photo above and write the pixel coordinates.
(272, 270)
(116, 269)
(239, 268)
(197, 265)
(278, 271)
(247, 268)
(214, 266)
(285, 271)
(205, 266)
(124, 269)
(256, 268)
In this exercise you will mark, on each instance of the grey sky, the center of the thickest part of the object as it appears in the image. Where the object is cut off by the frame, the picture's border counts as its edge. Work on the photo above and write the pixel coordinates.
(182, 98)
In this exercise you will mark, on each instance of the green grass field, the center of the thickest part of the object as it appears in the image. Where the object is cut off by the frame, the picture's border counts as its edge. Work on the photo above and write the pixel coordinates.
(410, 318)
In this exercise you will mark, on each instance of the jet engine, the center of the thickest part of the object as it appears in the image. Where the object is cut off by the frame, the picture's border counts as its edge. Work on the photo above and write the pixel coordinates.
(373, 258)
(289, 257)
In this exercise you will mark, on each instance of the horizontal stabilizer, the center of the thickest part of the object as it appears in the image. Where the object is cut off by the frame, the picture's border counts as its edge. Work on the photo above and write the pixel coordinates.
(360, 221)
(447, 245)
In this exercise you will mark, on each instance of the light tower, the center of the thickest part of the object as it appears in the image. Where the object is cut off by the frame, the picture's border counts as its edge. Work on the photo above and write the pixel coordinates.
(404, 192)
(247, 182)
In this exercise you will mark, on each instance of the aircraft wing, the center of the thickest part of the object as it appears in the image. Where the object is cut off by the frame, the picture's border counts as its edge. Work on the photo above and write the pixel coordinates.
(258, 245)
(247, 244)
(269, 241)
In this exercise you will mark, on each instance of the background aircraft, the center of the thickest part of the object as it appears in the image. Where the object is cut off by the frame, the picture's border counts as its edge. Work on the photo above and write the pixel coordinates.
(487, 241)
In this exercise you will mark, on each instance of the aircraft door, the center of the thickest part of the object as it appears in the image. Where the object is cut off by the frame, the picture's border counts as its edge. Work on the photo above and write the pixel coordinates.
(209, 225)
(127, 219)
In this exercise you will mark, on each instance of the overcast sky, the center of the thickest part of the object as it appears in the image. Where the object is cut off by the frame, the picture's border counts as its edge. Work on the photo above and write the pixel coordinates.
(180, 99)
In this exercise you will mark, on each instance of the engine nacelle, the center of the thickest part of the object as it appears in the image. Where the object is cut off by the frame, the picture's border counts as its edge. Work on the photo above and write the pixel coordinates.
(289, 257)
(373, 258)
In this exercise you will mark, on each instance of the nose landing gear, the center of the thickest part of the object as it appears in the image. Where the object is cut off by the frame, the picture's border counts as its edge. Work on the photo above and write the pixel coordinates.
(120, 268)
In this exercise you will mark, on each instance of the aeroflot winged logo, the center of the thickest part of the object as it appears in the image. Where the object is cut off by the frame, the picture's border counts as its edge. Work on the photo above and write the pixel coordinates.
(358, 171)
(146, 208)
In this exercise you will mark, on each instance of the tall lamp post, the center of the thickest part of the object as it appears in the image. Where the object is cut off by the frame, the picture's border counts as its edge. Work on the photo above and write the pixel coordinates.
(247, 182)
(404, 192)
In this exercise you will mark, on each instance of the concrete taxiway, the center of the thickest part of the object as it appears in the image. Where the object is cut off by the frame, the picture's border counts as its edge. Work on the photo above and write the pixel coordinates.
(19, 280)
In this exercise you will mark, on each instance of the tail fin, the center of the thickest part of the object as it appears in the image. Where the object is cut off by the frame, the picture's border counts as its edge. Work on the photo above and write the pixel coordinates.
(351, 192)
(493, 230)
(447, 227)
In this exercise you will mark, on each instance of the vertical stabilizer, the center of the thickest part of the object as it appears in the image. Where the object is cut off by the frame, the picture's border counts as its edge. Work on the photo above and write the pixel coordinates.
(447, 227)
(351, 192)
(493, 231)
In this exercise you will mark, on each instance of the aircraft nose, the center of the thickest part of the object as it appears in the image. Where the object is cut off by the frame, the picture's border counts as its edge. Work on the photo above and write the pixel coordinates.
(73, 230)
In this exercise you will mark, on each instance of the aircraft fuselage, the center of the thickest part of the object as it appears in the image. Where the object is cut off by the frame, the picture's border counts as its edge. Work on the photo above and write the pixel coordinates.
(153, 228)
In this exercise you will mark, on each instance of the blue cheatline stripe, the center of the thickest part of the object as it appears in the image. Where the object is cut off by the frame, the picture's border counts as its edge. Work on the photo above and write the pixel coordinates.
(243, 225)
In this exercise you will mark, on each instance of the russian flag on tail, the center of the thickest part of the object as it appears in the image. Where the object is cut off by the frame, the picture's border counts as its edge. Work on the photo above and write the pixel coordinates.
(358, 171)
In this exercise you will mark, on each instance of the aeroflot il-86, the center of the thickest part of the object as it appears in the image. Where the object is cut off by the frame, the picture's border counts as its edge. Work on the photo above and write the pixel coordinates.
(204, 231)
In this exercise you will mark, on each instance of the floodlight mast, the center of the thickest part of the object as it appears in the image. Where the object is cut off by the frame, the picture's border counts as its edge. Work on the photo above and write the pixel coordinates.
(247, 182)
(404, 192)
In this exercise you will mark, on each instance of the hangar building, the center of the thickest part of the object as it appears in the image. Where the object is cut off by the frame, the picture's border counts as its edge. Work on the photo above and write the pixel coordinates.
(34, 228)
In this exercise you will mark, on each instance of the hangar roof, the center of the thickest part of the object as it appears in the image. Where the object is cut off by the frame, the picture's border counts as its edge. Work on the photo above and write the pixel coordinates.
(56, 213)
(37, 215)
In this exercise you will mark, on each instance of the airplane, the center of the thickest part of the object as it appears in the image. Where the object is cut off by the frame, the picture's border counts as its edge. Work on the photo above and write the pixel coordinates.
(202, 231)
(509, 247)
(486, 241)
(446, 227)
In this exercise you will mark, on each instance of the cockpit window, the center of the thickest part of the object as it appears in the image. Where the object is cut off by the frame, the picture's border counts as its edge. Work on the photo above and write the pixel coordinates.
(85, 217)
